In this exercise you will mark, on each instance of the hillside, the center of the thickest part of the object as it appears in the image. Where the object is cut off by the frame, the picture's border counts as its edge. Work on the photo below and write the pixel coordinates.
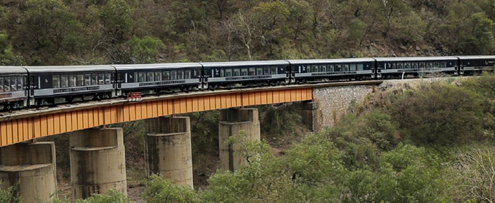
(56, 32)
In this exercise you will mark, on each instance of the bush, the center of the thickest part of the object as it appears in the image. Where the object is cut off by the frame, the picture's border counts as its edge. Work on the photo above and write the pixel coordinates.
(111, 197)
(159, 190)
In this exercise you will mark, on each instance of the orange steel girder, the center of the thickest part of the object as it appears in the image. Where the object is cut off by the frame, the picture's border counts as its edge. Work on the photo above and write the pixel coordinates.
(37, 126)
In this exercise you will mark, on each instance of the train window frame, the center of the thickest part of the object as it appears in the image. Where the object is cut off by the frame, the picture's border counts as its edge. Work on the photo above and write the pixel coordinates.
(166, 75)
(64, 81)
(56, 81)
(228, 72)
(187, 74)
(20, 83)
(87, 79)
(158, 76)
(259, 71)
(244, 71)
(414, 66)
(429, 65)
(322, 68)
(13, 84)
(338, 68)
(80, 80)
(400, 66)
(252, 71)
(422, 65)
(346, 67)
(330, 68)
(180, 74)
(236, 72)
(314, 68)
(1, 84)
(274, 70)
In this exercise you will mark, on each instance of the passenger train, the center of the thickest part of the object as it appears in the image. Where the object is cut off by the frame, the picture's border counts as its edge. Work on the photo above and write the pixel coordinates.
(31, 86)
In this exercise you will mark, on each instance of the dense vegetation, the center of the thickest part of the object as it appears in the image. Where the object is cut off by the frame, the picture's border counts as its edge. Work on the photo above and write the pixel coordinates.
(54, 32)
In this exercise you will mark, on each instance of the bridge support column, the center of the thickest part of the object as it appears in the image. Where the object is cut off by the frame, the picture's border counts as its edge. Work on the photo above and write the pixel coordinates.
(33, 167)
(232, 122)
(97, 162)
(311, 115)
(168, 141)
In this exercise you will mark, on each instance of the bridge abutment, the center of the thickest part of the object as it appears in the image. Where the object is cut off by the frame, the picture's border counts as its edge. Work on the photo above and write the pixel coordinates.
(32, 167)
(311, 115)
(232, 122)
(168, 147)
(97, 162)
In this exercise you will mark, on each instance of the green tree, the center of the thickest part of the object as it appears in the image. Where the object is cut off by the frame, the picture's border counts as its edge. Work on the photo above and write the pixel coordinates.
(117, 17)
(7, 56)
(159, 190)
(144, 50)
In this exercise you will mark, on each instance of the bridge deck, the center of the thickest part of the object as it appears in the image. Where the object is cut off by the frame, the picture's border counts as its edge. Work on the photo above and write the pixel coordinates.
(30, 124)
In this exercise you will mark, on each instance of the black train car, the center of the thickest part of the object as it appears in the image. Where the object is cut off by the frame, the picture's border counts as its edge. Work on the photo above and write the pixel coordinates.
(246, 73)
(61, 84)
(153, 78)
(471, 65)
(393, 67)
(332, 69)
(13, 87)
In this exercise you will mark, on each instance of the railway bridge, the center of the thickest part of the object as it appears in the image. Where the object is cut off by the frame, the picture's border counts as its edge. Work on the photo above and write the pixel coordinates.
(97, 158)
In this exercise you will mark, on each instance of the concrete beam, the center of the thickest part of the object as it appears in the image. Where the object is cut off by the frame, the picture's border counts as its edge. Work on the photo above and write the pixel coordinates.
(97, 162)
(33, 168)
(168, 141)
(232, 122)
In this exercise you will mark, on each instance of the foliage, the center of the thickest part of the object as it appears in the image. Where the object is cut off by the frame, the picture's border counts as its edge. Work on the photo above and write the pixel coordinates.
(10, 195)
(110, 197)
(158, 190)
(280, 121)
(144, 50)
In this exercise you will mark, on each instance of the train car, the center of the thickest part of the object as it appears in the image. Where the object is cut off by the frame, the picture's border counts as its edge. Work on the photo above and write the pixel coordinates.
(321, 70)
(156, 78)
(245, 73)
(13, 87)
(396, 67)
(471, 65)
(64, 84)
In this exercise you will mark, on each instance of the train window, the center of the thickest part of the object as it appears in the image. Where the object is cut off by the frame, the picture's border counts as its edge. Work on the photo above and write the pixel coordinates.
(20, 83)
(228, 72)
(187, 74)
(360, 66)
(108, 78)
(173, 75)
(266, 70)
(87, 80)
(414, 65)
(314, 68)
(6, 84)
(56, 81)
(443, 65)
(166, 75)
(422, 65)
(221, 73)
(407, 65)
(101, 79)
(150, 76)
(259, 71)
(64, 81)
(237, 72)
(338, 68)
(252, 71)
(244, 72)
(13, 86)
(353, 67)
(323, 68)
(80, 80)
(429, 65)
(436, 65)
(274, 70)
(346, 67)
(142, 77)
(180, 74)
(158, 76)
(94, 79)
(400, 66)
(1, 84)
(72, 81)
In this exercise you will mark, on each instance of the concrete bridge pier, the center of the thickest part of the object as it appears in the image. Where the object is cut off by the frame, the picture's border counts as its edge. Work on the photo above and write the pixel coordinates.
(32, 167)
(168, 146)
(311, 115)
(97, 162)
(232, 122)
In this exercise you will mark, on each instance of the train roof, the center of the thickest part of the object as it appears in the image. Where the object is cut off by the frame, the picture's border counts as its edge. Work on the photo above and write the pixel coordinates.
(348, 60)
(58, 69)
(156, 66)
(475, 57)
(12, 70)
(244, 63)
(416, 58)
